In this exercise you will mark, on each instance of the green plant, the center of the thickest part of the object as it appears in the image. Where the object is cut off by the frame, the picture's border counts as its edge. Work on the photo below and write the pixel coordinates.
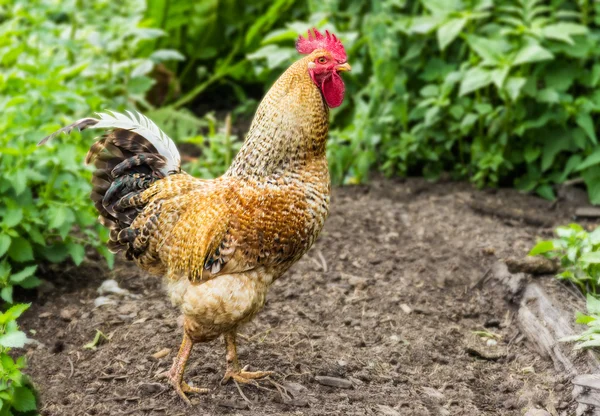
(590, 337)
(16, 395)
(579, 254)
(59, 60)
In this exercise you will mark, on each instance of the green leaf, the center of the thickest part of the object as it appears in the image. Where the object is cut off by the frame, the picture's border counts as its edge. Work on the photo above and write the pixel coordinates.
(6, 293)
(584, 120)
(592, 257)
(14, 312)
(555, 143)
(56, 253)
(23, 400)
(548, 95)
(546, 192)
(58, 215)
(12, 217)
(144, 68)
(593, 304)
(595, 236)
(532, 53)
(541, 248)
(583, 319)
(563, 31)
(96, 341)
(442, 7)
(513, 87)
(491, 51)
(16, 339)
(20, 250)
(447, 32)
(77, 252)
(499, 75)
(474, 79)
(163, 55)
(589, 161)
(16, 278)
(4, 243)
(30, 282)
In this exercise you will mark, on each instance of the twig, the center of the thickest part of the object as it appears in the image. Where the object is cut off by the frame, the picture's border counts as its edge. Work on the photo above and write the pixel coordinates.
(72, 367)
(242, 393)
(281, 389)
(481, 280)
(323, 261)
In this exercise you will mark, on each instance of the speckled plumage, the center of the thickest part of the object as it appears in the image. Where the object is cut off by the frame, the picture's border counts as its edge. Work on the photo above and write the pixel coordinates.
(221, 243)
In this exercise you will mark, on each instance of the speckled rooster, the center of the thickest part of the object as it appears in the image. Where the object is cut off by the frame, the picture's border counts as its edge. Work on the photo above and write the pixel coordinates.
(221, 243)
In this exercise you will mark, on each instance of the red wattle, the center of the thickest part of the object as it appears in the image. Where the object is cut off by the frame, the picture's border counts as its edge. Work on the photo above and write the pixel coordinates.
(333, 90)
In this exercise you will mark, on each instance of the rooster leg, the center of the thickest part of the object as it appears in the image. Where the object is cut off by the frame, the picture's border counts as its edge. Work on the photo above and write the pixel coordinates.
(234, 371)
(175, 374)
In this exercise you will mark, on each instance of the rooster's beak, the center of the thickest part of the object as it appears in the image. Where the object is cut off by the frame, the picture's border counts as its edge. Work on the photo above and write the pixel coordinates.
(343, 67)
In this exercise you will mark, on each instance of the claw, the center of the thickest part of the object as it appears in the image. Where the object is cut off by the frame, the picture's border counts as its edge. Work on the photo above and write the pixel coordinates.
(181, 387)
(244, 377)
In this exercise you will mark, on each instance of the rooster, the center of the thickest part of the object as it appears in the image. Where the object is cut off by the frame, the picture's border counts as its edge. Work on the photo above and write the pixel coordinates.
(221, 243)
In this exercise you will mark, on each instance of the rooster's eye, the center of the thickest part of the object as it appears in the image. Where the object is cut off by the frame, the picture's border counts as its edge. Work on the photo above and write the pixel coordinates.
(322, 60)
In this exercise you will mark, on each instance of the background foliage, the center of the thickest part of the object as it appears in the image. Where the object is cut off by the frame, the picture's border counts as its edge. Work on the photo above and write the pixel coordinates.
(499, 92)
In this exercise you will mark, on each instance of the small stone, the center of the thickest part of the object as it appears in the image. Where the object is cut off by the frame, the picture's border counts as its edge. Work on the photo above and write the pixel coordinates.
(151, 388)
(295, 389)
(334, 382)
(67, 314)
(161, 354)
(491, 342)
(45, 315)
(537, 412)
(405, 308)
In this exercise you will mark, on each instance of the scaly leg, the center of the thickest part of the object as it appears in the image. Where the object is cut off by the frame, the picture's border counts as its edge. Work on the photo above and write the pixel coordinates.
(233, 366)
(175, 374)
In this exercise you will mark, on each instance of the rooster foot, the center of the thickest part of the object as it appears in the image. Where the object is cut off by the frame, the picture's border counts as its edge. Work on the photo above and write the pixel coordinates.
(181, 387)
(242, 376)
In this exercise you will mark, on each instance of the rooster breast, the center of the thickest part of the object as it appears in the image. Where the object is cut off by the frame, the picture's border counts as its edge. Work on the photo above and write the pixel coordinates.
(219, 305)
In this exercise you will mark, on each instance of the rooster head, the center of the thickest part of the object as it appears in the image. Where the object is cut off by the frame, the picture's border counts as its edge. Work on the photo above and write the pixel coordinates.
(327, 58)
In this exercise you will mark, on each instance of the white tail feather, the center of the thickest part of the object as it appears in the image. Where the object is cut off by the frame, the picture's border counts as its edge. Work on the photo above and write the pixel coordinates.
(146, 128)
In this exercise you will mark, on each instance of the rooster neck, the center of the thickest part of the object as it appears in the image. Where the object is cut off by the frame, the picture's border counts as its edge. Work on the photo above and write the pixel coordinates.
(289, 130)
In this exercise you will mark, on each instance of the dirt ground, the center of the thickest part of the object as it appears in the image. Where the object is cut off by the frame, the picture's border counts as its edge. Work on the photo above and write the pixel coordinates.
(383, 301)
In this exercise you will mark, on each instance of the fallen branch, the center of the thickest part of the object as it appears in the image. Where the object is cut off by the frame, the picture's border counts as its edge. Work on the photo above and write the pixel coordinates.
(544, 323)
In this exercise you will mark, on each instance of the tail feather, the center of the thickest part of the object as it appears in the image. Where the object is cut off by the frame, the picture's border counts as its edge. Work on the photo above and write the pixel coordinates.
(128, 159)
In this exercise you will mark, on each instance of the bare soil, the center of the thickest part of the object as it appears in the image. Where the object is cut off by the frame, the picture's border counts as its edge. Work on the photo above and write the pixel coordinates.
(384, 301)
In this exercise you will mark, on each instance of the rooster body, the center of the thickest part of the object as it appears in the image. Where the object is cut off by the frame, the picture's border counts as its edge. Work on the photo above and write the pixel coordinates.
(221, 243)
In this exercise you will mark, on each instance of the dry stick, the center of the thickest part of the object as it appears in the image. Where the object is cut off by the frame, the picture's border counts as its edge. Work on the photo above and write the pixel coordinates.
(323, 261)
(72, 367)
(279, 387)
(482, 279)
(242, 393)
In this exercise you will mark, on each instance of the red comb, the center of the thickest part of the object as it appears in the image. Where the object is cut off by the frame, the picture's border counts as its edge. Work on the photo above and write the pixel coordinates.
(317, 41)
